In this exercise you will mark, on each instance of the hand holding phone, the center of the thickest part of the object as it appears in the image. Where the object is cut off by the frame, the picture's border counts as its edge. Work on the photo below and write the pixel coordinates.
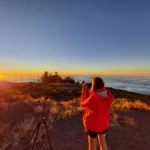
(84, 86)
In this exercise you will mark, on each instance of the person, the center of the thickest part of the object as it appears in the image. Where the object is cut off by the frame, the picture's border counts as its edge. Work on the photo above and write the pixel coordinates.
(97, 106)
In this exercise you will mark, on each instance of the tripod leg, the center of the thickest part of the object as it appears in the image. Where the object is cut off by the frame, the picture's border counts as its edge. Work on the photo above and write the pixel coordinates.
(50, 146)
(33, 132)
(35, 138)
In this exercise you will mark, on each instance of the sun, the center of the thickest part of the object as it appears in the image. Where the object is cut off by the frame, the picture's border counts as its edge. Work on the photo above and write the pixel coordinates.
(2, 77)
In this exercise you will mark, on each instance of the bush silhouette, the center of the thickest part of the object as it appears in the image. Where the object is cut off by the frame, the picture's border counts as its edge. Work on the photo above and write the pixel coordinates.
(55, 78)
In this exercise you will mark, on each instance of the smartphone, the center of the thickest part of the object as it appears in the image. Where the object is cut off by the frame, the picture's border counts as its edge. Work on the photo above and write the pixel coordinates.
(83, 82)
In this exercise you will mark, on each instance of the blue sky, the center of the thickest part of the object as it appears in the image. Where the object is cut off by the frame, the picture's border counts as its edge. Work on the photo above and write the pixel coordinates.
(76, 36)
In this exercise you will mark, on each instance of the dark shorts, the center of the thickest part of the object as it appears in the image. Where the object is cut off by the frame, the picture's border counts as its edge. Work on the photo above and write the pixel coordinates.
(93, 134)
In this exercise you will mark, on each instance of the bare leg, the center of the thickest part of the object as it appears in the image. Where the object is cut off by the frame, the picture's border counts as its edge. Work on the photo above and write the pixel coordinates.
(92, 142)
(102, 142)
(99, 142)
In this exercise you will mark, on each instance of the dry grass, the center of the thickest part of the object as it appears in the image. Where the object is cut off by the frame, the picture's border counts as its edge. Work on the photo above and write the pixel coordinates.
(114, 119)
(62, 109)
(130, 121)
(125, 104)
(10, 101)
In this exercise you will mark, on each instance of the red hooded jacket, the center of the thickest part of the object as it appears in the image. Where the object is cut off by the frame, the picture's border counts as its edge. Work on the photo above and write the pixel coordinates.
(97, 109)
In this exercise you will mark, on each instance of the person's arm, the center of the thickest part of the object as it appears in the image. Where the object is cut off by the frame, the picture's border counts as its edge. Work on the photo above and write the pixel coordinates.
(85, 100)
(84, 94)
(84, 91)
(88, 102)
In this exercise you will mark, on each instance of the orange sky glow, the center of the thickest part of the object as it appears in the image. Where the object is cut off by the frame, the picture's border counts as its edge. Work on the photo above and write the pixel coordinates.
(111, 72)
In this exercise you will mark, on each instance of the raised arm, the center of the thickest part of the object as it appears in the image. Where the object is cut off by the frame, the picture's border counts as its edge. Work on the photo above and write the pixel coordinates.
(88, 102)
(84, 91)
(85, 100)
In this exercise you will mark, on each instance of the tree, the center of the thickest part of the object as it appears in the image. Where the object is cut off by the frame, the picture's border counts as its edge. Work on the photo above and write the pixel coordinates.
(45, 77)
(68, 79)
(55, 78)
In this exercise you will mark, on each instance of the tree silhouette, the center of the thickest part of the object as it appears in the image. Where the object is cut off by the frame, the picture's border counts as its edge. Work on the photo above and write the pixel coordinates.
(45, 77)
(55, 78)
(68, 79)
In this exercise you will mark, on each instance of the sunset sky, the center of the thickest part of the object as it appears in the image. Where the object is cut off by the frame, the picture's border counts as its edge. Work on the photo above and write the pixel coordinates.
(88, 37)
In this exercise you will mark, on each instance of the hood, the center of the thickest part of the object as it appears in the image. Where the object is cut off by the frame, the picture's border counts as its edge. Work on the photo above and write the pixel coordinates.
(102, 92)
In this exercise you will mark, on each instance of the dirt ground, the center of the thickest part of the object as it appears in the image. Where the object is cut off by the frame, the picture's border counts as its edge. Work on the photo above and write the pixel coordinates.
(69, 134)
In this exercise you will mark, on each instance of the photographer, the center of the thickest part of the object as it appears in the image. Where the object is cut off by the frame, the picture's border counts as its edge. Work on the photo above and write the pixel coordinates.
(97, 102)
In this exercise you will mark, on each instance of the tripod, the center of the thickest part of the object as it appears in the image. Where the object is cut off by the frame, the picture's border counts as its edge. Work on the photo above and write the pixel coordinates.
(43, 120)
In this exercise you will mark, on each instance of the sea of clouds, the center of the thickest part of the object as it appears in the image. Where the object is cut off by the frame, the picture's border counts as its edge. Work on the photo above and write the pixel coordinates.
(133, 84)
